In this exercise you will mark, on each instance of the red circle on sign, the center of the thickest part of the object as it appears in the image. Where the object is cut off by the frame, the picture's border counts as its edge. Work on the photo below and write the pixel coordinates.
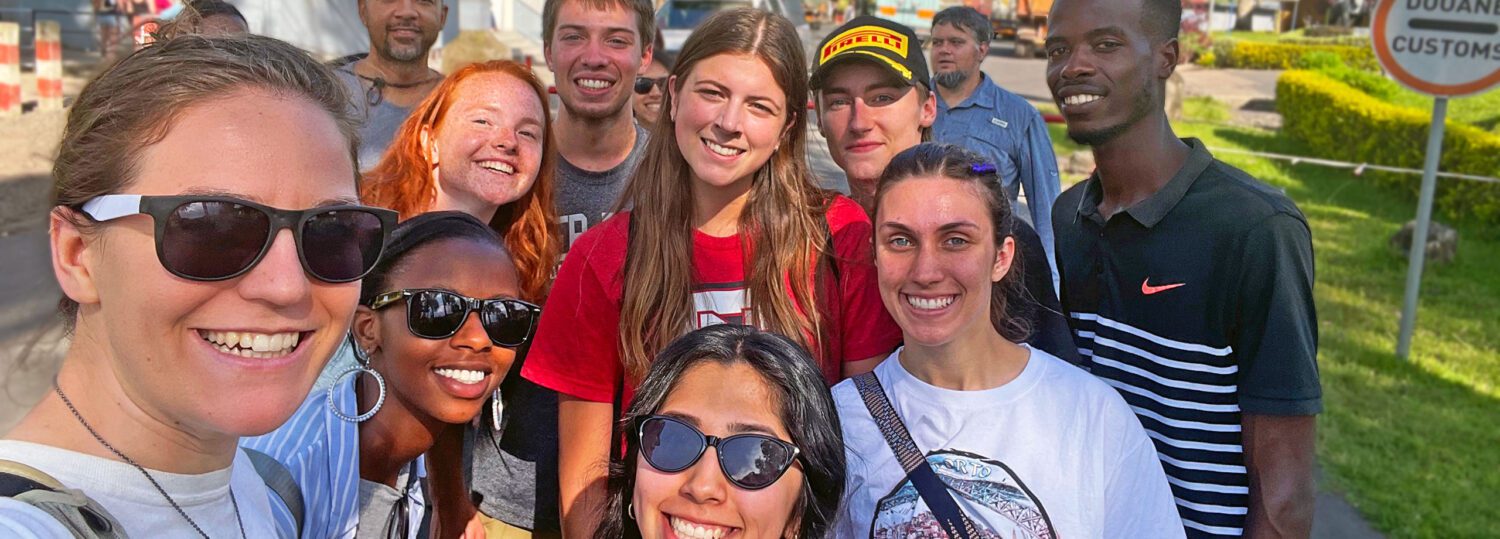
(1388, 60)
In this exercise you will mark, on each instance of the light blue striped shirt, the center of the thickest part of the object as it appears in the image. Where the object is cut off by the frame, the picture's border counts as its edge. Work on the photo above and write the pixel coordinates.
(322, 453)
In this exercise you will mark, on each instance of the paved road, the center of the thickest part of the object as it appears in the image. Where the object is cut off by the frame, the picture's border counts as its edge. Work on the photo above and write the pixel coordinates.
(30, 339)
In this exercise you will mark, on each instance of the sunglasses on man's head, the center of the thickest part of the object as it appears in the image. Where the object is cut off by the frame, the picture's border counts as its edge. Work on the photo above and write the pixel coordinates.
(643, 85)
(212, 238)
(749, 461)
(437, 314)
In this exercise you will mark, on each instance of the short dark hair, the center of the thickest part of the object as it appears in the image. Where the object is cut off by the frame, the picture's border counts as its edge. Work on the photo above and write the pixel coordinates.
(422, 230)
(1161, 19)
(802, 402)
(645, 17)
(966, 18)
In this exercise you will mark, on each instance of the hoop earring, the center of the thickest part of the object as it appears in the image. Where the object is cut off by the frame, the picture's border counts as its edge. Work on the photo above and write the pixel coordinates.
(362, 361)
(496, 408)
(630, 510)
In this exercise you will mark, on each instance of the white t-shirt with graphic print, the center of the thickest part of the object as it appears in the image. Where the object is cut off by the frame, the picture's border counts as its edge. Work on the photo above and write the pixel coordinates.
(1053, 453)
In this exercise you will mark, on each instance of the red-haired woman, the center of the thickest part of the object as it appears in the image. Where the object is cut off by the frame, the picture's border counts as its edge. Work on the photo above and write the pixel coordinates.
(481, 144)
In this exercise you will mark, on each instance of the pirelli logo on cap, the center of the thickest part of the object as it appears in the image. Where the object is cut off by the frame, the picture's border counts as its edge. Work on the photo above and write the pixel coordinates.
(863, 36)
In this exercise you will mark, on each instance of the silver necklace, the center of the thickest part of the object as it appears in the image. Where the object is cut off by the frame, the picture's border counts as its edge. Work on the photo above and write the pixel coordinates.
(100, 439)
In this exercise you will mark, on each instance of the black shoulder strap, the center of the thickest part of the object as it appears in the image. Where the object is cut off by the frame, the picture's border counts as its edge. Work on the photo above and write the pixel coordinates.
(279, 479)
(928, 485)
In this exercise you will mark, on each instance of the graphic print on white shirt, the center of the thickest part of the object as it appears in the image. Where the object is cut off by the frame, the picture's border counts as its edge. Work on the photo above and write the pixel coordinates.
(986, 490)
(720, 303)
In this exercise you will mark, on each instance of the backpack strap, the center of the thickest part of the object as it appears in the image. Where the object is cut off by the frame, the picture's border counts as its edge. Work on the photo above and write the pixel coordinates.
(929, 486)
(82, 516)
(279, 479)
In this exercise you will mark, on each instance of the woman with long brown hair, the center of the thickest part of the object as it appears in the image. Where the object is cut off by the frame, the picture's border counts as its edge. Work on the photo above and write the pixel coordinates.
(481, 143)
(725, 225)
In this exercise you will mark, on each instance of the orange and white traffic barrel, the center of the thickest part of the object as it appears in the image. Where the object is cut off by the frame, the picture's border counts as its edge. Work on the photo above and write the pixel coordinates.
(10, 68)
(49, 72)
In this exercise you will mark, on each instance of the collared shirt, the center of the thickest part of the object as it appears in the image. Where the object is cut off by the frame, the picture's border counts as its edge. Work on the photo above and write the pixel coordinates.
(1010, 132)
(1196, 304)
(322, 453)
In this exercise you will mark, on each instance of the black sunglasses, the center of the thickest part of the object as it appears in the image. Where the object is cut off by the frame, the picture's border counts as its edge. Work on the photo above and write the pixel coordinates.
(212, 238)
(643, 85)
(750, 461)
(437, 314)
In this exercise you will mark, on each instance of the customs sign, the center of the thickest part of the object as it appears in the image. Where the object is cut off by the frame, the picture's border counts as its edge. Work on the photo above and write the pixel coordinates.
(1439, 47)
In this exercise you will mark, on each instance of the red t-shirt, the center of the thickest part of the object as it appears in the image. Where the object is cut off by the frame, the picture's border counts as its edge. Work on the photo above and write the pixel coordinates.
(576, 352)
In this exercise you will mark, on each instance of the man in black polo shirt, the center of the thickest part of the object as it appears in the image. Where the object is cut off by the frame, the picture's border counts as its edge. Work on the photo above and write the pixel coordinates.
(1188, 283)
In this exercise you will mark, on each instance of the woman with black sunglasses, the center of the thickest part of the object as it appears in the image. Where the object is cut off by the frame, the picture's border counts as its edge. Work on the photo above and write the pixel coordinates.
(433, 341)
(207, 235)
(731, 432)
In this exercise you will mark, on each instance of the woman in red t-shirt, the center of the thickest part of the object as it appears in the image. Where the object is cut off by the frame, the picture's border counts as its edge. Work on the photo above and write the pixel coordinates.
(727, 226)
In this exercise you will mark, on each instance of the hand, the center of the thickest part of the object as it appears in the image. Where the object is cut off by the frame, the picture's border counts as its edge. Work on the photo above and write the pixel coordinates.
(474, 529)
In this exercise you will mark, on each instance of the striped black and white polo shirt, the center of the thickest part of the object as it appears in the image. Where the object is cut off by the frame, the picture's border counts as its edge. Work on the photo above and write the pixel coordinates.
(1197, 305)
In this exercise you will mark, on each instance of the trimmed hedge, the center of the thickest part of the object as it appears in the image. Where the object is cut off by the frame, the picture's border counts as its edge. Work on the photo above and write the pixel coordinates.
(1337, 121)
(1286, 55)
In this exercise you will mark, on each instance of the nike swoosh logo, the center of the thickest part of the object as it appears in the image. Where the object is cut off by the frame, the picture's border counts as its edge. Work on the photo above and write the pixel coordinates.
(1147, 289)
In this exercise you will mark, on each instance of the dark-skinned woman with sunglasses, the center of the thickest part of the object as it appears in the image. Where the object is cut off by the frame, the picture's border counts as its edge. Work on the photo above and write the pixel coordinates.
(433, 341)
(730, 434)
(207, 235)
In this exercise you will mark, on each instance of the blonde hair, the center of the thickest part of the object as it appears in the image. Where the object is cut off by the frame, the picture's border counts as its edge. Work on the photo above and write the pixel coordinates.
(782, 220)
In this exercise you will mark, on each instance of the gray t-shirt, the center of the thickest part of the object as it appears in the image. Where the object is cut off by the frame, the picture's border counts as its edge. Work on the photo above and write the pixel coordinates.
(378, 122)
(514, 471)
(377, 502)
(586, 198)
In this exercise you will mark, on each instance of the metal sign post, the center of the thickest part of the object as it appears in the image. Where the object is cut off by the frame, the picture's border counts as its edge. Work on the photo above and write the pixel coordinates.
(1443, 49)
(1416, 258)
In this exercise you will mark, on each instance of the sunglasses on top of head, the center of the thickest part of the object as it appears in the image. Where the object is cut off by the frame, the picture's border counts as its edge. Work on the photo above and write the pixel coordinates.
(438, 314)
(749, 461)
(643, 85)
(213, 238)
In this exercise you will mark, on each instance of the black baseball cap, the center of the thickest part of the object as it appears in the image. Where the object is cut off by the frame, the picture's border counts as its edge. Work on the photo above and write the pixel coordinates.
(887, 43)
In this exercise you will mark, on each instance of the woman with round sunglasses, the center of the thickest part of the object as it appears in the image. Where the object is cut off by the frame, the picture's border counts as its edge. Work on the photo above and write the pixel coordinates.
(433, 341)
(963, 430)
(207, 236)
(731, 434)
(727, 226)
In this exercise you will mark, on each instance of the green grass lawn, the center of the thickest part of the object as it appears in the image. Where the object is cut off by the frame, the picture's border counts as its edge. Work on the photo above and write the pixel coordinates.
(1414, 445)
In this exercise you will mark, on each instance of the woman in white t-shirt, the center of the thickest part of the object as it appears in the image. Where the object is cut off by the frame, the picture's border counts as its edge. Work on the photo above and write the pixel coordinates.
(207, 235)
(1026, 445)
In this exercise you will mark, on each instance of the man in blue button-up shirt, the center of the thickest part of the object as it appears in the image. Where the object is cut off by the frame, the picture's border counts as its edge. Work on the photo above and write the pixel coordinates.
(976, 113)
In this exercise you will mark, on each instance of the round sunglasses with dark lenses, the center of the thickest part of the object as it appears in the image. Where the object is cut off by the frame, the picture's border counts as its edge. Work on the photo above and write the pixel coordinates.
(643, 85)
(212, 238)
(438, 314)
(749, 461)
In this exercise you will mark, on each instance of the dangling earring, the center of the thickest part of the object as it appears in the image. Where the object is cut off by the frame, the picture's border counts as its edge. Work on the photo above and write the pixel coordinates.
(496, 408)
(362, 365)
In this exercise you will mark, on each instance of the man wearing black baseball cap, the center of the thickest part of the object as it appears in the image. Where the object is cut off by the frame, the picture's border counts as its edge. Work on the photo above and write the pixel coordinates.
(873, 97)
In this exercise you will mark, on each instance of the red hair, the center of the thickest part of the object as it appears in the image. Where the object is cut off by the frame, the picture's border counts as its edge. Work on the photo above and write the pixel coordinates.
(403, 180)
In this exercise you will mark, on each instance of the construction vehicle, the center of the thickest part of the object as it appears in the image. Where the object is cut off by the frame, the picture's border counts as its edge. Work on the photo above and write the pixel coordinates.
(1025, 21)
(918, 14)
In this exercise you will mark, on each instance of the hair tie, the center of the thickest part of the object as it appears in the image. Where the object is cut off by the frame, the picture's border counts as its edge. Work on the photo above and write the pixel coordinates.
(982, 168)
